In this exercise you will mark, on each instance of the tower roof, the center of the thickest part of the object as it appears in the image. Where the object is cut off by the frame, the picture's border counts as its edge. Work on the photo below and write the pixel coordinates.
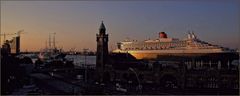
(102, 26)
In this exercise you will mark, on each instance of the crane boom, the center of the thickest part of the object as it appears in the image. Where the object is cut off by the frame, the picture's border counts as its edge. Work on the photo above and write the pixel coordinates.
(17, 33)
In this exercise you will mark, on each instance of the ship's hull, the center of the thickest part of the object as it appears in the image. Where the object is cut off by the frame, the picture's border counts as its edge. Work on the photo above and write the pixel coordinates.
(171, 55)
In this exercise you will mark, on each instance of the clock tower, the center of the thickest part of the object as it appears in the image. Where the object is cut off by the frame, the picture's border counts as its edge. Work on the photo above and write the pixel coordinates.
(102, 50)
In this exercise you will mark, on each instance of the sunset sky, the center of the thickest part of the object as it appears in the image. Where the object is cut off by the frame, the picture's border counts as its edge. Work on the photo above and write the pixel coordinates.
(76, 22)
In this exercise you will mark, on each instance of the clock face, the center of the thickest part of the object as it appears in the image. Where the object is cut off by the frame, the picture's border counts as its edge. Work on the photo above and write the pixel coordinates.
(102, 39)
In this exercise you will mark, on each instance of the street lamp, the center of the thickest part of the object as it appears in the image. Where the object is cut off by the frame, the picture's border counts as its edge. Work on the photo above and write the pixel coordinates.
(85, 64)
(139, 83)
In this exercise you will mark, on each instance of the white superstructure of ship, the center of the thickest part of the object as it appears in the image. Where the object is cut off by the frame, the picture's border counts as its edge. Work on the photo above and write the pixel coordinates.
(190, 46)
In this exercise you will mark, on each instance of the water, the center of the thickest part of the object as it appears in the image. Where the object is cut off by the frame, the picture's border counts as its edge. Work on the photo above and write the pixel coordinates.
(79, 60)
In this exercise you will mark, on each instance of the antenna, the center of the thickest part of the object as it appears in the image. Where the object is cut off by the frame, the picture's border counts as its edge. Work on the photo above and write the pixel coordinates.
(46, 44)
(49, 42)
(54, 46)
(102, 19)
(193, 35)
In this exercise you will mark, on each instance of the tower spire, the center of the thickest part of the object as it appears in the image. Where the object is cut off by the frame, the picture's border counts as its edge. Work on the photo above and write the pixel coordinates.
(102, 28)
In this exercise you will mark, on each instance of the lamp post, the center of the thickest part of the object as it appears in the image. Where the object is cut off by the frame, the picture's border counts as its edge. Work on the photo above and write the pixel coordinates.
(0, 48)
(139, 83)
(85, 64)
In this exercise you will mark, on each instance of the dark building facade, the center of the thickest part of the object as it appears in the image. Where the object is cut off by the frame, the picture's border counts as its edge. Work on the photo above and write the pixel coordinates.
(13, 74)
(102, 51)
(175, 77)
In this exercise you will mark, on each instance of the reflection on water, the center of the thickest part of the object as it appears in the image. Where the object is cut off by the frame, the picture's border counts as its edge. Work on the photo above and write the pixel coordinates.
(80, 59)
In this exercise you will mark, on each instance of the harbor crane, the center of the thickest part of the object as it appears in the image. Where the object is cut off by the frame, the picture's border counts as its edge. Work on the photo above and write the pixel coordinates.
(7, 34)
(4, 35)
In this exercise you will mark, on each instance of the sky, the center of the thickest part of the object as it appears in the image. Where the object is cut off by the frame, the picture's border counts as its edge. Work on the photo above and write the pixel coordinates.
(76, 23)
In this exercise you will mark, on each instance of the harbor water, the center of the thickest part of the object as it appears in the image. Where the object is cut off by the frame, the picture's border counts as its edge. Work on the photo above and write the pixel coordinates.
(79, 60)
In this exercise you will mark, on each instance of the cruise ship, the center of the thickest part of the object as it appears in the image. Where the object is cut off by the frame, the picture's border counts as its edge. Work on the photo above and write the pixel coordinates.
(166, 48)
